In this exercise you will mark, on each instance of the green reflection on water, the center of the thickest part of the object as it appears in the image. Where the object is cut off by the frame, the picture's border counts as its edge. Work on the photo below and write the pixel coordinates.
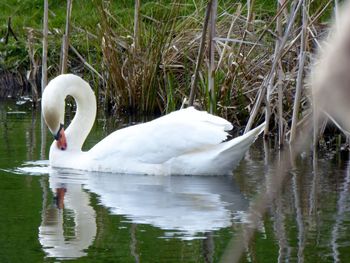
(309, 221)
(117, 239)
(20, 206)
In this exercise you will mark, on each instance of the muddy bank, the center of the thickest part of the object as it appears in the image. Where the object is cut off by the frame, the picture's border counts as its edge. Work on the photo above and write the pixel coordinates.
(14, 84)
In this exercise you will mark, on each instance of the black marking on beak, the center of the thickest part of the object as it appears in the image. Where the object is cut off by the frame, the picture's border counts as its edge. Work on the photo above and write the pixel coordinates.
(57, 136)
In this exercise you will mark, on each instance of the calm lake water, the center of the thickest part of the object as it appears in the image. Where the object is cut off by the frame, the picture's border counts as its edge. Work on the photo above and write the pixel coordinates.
(50, 215)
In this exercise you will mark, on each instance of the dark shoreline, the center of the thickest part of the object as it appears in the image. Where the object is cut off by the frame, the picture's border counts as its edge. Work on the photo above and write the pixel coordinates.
(14, 84)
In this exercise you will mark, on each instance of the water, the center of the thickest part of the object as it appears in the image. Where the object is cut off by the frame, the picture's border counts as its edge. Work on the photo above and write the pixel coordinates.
(50, 215)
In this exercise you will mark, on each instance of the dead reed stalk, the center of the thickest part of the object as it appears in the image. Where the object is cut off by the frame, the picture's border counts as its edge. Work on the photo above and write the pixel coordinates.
(299, 83)
(247, 69)
(44, 74)
(32, 73)
(65, 39)
(45, 45)
(137, 25)
(200, 53)
(330, 78)
(211, 49)
(295, 8)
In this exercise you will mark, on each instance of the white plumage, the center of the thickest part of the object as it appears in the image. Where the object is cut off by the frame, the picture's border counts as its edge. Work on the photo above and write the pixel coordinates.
(187, 141)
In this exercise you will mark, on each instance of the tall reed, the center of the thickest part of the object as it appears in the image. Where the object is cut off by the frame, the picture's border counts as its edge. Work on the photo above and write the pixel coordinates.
(134, 68)
(253, 65)
(144, 60)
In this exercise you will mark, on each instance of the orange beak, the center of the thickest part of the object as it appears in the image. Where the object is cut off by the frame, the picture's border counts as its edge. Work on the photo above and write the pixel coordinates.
(61, 141)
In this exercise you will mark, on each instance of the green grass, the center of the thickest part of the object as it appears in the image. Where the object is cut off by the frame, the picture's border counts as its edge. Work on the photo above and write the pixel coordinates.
(102, 32)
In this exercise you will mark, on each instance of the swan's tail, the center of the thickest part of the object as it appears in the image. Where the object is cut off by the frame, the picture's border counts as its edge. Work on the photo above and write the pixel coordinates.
(232, 152)
(218, 160)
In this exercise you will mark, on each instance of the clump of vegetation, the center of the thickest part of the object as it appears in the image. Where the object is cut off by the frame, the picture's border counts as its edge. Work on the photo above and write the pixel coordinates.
(141, 58)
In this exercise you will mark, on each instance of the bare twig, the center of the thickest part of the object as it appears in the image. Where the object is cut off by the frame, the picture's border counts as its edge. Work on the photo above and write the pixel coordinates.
(85, 62)
(9, 31)
(223, 53)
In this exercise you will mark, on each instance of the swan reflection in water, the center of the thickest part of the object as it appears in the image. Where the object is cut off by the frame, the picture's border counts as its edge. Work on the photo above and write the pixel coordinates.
(59, 238)
(184, 207)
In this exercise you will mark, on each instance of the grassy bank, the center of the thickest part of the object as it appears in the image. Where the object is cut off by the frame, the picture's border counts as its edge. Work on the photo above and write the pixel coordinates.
(255, 64)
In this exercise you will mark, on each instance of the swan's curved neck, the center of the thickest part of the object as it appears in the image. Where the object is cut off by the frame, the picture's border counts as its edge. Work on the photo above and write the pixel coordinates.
(80, 90)
(84, 118)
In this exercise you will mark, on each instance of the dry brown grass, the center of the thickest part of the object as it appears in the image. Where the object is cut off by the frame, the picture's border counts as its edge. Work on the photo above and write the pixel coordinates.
(257, 59)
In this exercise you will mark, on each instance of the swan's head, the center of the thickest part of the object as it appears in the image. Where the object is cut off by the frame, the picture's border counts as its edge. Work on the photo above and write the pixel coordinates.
(52, 105)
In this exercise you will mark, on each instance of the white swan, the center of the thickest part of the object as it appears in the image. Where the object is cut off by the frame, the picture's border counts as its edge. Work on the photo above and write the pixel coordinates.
(53, 235)
(183, 142)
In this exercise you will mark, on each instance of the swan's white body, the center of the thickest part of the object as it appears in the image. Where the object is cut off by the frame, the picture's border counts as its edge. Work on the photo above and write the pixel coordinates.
(183, 142)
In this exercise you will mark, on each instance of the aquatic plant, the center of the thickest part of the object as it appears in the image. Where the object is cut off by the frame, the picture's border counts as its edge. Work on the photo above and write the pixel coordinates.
(141, 58)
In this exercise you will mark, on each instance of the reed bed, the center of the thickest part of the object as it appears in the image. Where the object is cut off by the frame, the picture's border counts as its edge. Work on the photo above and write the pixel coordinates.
(252, 67)
(255, 56)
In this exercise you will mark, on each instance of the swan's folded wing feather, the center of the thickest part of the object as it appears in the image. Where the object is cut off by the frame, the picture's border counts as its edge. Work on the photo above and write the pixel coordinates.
(170, 136)
(192, 115)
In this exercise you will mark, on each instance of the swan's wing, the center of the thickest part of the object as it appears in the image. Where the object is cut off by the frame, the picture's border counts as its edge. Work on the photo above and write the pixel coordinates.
(192, 115)
(157, 141)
